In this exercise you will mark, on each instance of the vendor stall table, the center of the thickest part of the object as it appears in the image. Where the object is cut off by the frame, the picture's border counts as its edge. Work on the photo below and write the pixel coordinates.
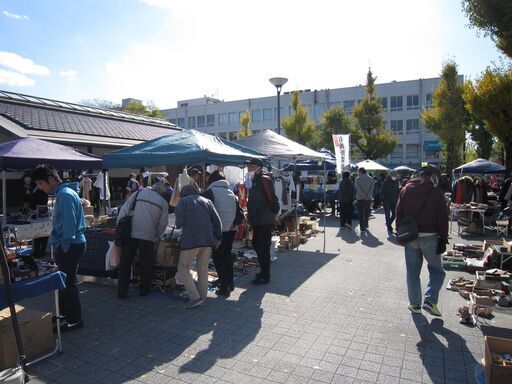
(30, 230)
(471, 211)
(504, 256)
(33, 287)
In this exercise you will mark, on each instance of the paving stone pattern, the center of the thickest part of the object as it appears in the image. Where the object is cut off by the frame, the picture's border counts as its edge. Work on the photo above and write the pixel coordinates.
(333, 317)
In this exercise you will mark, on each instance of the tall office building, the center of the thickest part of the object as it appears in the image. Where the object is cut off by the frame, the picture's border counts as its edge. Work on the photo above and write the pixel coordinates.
(402, 102)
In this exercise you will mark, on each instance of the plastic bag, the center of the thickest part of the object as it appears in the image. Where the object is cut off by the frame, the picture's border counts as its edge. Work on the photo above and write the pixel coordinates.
(113, 256)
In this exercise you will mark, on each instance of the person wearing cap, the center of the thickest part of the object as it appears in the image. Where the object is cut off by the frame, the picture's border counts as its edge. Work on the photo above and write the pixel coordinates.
(422, 199)
(202, 231)
(150, 219)
(389, 191)
(262, 206)
(195, 174)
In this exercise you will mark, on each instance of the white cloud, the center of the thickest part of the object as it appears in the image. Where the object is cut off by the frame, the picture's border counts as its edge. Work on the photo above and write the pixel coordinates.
(15, 79)
(70, 75)
(20, 64)
(15, 16)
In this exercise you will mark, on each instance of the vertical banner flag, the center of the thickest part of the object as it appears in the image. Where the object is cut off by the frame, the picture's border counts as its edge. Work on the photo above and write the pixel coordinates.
(341, 151)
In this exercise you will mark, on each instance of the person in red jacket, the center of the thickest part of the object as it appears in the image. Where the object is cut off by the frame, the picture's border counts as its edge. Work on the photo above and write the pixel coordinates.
(422, 199)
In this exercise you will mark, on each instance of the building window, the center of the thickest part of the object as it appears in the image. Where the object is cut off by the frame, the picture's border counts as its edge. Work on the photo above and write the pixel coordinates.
(181, 122)
(413, 102)
(397, 127)
(234, 119)
(348, 105)
(233, 136)
(183, 105)
(428, 100)
(384, 102)
(223, 119)
(398, 152)
(319, 110)
(172, 121)
(200, 122)
(413, 150)
(267, 114)
(191, 122)
(412, 126)
(397, 103)
(210, 120)
(256, 116)
(223, 135)
(281, 112)
(334, 104)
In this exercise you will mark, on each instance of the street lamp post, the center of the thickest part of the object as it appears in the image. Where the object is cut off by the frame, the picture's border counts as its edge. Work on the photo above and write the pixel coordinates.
(278, 82)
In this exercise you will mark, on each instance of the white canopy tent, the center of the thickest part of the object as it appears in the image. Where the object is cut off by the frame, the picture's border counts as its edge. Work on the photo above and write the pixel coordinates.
(278, 147)
(371, 165)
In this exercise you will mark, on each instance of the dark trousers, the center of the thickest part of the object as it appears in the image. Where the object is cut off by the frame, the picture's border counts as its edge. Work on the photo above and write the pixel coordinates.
(261, 242)
(146, 250)
(363, 210)
(224, 261)
(347, 210)
(69, 299)
(390, 212)
(39, 247)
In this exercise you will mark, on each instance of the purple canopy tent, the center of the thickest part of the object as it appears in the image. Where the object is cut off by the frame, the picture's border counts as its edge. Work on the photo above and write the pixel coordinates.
(27, 152)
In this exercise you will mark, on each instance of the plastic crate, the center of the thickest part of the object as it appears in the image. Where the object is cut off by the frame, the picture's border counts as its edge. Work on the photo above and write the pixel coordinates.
(454, 265)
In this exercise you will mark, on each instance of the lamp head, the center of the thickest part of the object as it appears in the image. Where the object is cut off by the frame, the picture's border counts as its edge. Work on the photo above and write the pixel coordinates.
(278, 82)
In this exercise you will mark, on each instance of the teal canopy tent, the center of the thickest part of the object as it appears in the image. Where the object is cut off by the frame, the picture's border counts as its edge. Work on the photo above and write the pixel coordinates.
(186, 147)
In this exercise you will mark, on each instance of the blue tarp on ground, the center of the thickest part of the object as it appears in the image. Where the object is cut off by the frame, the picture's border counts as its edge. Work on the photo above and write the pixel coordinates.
(186, 147)
(481, 166)
(29, 152)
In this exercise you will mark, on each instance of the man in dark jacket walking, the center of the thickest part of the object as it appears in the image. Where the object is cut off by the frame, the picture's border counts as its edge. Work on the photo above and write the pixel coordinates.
(347, 196)
(389, 192)
(423, 200)
(262, 207)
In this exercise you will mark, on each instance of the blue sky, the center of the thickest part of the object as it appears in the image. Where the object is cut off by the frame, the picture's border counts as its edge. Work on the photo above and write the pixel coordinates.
(170, 50)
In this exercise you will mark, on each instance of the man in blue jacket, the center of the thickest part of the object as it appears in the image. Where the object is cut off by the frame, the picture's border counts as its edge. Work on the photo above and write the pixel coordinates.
(67, 239)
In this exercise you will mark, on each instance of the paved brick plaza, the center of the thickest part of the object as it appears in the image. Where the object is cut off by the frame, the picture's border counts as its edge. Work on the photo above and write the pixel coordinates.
(338, 317)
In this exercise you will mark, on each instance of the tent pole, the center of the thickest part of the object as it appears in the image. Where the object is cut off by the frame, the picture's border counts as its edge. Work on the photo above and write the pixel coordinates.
(104, 191)
(325, 197)
(296, 202)
(4, 198)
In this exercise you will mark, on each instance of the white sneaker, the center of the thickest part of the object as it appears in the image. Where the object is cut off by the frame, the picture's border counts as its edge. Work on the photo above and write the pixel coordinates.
(194, 303)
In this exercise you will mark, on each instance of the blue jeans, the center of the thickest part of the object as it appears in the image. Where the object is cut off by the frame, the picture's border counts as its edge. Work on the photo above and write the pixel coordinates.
(389, 212)
(415, 252)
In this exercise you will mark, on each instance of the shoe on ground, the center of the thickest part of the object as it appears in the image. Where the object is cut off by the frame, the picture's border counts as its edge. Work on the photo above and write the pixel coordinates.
(194, 303)
(68, 327)
(260, 281)
(414, 308)
(432, 309)
(224, 292)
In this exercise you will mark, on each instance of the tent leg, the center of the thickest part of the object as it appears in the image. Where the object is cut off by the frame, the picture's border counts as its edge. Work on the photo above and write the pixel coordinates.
(325, 197)
(4, 198)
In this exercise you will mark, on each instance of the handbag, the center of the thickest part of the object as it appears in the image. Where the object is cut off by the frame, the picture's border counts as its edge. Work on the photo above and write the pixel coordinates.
(408, 229)
(124, 226)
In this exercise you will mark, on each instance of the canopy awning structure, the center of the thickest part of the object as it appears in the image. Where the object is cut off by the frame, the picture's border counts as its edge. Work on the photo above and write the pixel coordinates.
(480, 166)
(278, 147)
(404, 168)
(28, 152)
(371, 165)
(186, 147)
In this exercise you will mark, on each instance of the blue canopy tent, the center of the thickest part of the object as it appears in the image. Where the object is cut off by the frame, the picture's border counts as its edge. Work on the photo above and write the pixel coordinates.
(313, 165)
(186, 147)
(480, 166)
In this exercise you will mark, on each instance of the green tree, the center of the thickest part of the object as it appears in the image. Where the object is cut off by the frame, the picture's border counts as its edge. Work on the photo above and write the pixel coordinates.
(101, 103)
(448, 116)
(298, 126)
(490, 100)
(483, 139)
(494, 18)
(334, 121)
(150, 110)
(369, 135)
(245, 122)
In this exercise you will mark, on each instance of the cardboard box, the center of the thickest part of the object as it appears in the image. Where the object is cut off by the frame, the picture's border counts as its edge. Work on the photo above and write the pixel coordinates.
(497, 374)
(490, 243)
(88, 211)
(36, 335)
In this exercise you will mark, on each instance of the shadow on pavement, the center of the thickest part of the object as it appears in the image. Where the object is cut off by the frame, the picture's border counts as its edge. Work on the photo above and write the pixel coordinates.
(369, 240)
(348, 235)
(440, 346)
